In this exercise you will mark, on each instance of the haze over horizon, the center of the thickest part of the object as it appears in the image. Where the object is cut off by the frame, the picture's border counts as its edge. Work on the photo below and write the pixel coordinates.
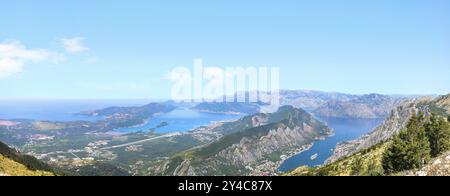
(140, 101)
(123, 50)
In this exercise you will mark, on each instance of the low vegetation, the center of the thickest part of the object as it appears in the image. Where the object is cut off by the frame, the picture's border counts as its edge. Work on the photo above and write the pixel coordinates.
(13, 163)
(424, 138)
(9, 167)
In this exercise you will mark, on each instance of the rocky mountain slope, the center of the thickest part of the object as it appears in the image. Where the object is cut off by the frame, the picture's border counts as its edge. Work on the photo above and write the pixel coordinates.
(420, 149)
(369, 163)
(145, 110)
(9, 167)
(392, 125)
(252, 151)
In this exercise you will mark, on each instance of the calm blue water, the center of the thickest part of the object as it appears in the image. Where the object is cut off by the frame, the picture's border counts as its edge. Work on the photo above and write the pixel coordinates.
(57, 110)
(180, 120)
(345, 129)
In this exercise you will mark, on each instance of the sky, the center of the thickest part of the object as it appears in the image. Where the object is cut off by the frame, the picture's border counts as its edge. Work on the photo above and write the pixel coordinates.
(105, 49)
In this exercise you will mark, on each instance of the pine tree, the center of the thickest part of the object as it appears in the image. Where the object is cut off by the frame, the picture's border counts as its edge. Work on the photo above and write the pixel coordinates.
(410, 149)
(438, 133)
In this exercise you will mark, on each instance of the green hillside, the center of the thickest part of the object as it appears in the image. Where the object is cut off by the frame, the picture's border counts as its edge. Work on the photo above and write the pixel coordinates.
(9, 167)
(13, 163)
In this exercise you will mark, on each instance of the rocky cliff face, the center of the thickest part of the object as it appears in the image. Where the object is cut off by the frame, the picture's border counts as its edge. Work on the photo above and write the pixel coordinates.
(444, 102)
(252, 151)
(392, 125)
(311, 100)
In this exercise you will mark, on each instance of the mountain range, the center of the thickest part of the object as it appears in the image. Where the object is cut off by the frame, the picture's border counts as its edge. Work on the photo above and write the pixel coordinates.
(324, 104)
(393, 124)
(365, 106)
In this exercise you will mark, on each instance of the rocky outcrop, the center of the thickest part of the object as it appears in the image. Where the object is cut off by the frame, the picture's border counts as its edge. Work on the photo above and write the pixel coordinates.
(444, 102)
(14, 163)
(438, 167)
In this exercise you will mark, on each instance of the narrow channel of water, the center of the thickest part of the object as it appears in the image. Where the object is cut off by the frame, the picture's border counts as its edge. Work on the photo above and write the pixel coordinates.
(345, 129)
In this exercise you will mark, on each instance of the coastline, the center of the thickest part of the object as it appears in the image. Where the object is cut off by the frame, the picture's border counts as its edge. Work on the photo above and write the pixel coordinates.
(293, 153)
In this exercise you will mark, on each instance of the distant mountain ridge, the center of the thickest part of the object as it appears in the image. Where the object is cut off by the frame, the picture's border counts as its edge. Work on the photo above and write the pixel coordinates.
(145, 110)
(366, 106)
(310, 100)
(325, 104)
(228, 107)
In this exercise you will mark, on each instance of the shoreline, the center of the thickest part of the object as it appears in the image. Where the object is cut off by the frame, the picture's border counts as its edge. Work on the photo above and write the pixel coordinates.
(293, 153)
(300, 150)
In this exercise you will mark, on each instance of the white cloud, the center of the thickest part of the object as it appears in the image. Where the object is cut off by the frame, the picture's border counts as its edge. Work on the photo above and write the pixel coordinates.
(74, 45)
(13, 56)
(9, 67)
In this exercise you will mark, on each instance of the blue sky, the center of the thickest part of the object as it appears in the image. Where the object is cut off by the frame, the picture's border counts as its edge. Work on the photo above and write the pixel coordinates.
(123, 49)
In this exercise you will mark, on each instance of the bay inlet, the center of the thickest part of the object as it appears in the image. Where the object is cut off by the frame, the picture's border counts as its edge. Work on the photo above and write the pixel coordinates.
(345, 129)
